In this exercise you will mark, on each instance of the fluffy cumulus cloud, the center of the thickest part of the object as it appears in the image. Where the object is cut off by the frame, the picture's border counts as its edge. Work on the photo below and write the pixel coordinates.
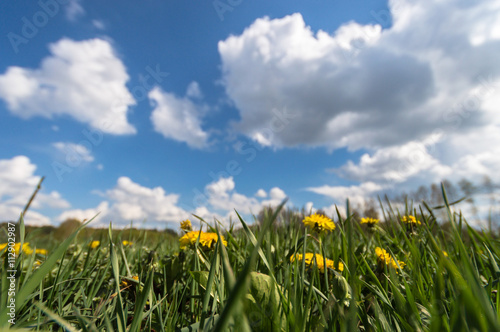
(394, 165)
(134, 201)
(129, 201)
(419, 97)
(221, 197)
(276, 196)
(261, 193)
(356, 193)
(82, 79)
(361, 86)
(17, 183)
(179, 118)
(86, 214)
(413, 164)
(282, 66)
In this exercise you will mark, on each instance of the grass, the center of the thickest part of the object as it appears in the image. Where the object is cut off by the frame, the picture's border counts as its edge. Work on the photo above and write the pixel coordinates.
(450, 280)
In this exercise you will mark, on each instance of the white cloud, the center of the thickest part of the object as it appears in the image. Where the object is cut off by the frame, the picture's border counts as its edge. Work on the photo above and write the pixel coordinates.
(177, 118)
(363, 87)
(356, 193)
(477, 165)
(77, 152)
(453, 157)
(87, 214)
(207, 215)
(129, 201)
(404, 168)
(52, 200)
(133, 201)
(221, 197)
(281, 64)
(17, 183)
(276, 196)
(331, 210)
(393, 164)
(12, 213)
(82, 79)
(261, 193)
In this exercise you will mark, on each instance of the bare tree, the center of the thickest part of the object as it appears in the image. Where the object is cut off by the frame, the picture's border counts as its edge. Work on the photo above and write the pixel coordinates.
(451, 191)
(489, 188)
(469, 190)
(422, 194)
(436, 195)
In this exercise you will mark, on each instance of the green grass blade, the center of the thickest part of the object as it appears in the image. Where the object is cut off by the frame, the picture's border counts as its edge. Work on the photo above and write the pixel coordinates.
(121, 318)
(34, 281)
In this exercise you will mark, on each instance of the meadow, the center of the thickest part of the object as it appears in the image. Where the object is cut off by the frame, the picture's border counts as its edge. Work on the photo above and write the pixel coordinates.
(412, 271)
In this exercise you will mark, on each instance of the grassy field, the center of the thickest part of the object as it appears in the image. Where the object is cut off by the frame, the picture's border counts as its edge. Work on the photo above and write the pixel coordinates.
(406, 273)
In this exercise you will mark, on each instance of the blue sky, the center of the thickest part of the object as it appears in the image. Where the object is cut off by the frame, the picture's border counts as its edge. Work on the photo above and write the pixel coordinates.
(155, 111)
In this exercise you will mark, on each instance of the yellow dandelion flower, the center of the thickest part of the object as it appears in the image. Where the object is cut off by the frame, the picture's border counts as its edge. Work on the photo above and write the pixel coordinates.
(370, 221)
(445, 253)
(17, 248)
(27, 249)
(94, 244)
(188, 239)
(320, 261)
(127, 243)
(41, 251)
(319, 223)
(206, 239)
(384, 258)
(186, 225)
(410, 220)
(2, 246)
